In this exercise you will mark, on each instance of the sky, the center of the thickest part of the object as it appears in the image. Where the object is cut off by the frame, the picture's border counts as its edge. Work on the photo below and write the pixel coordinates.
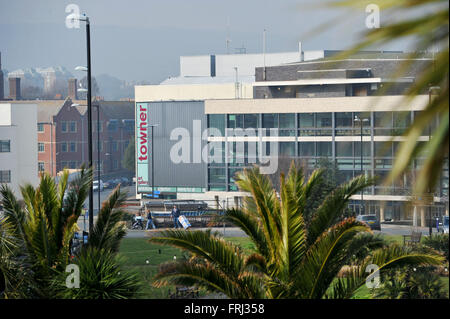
(142, 40)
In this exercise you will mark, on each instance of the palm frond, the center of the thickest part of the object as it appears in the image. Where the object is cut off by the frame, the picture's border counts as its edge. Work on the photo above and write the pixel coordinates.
(332, 207)
(107, 231)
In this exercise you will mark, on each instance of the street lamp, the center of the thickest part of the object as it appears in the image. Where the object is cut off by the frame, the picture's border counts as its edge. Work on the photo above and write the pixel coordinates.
(153, 166)
(361, 122)
(97, 106)
(89, 110)
(431, 90)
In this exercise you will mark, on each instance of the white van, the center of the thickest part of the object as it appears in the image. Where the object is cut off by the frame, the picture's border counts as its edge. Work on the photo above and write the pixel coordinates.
(96, 186)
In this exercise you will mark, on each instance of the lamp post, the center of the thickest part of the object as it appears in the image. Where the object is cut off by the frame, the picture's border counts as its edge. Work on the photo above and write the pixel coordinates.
(153, 161)
(97, 106)
(431, 89)
(361, 122)
(89, 110)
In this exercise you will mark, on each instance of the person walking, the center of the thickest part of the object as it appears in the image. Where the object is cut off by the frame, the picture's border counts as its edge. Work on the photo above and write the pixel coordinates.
(149, 218)
(175, 214)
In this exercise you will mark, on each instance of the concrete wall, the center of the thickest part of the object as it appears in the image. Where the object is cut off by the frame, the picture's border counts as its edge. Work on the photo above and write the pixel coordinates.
(308, 105)
(18, 123)
(190, 92)
(195, 65)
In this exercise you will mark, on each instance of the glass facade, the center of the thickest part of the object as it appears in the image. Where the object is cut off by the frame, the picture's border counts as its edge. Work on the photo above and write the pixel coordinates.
(311, 136)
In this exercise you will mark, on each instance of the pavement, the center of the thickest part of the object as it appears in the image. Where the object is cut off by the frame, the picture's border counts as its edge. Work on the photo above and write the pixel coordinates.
(388, 229)
(83, 224)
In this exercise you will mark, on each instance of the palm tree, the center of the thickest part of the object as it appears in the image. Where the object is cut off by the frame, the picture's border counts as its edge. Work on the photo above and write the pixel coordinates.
(102, 275)
(35, 241)
(43, 228)
(293, 259)
(430, 30)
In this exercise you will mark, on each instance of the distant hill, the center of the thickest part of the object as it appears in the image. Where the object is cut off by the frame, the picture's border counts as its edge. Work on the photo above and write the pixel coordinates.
(45, 82)
(112, 88)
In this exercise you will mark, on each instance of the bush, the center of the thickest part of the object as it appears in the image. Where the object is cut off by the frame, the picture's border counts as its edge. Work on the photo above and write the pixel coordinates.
(411, 283)
(438, 242)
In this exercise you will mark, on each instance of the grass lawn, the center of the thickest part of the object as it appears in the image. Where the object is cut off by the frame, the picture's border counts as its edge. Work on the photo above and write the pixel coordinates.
(137, 251)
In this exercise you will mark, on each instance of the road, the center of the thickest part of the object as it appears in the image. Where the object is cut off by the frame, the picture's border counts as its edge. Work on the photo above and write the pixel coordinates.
(387, 229)
(83, 223)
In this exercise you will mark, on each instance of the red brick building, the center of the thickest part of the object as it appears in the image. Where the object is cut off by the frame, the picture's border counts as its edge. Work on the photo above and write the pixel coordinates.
(62, 135)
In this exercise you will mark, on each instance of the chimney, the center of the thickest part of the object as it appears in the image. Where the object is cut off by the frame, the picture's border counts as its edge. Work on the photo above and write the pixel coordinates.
(14, 88)
(2, 92)
(73, 89)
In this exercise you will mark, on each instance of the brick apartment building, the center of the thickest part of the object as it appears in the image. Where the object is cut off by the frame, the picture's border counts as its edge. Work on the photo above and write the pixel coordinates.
(62, 135)
(62, 131)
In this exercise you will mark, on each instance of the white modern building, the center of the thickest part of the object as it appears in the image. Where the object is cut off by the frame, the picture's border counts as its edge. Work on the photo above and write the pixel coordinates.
(18, 145)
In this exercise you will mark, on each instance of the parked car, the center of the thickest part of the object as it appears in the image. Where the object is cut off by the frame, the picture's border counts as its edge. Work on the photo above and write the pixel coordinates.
(109, 184)
(370, 220)
(125, 181)
(96, 185)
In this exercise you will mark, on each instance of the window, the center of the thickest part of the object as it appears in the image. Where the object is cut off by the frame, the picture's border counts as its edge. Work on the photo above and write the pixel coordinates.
(323, 120)
(217, 121)
(344, 149)
(115, 164)
(98, 146)
(270, 121)
(287, 149)
(251, 121)
(114, 146)
(287, 120)
(98, 165)
(41, 166)
(72, 164)
(98, 126)
(5, 176)
(366, 149)
(216, 175)
(306, 120)
(112, 125)
(64, 126)
(344, 119)
(5, 146)
(63, 146)
(402, 119)
(41, 147)
(383, 119)
(128, 125)
(383, 149)
(73, 126)
(40, 127)
(307, 149)
(73, 147)
(235, 121)
(324, 149)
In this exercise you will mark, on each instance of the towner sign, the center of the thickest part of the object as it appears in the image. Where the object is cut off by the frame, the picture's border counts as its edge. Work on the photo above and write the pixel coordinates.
(142, 142)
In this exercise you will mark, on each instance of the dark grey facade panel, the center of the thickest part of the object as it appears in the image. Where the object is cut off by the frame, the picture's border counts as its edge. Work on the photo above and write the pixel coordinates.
(378, 68)
(170, 116)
